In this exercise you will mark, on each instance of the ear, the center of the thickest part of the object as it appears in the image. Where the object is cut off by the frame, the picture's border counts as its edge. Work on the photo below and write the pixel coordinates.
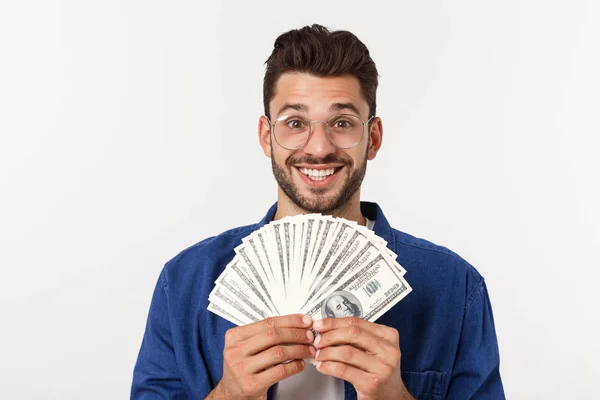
(376, 136)
(264, 135)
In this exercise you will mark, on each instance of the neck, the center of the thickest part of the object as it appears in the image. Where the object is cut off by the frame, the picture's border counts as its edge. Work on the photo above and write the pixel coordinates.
(349, 210)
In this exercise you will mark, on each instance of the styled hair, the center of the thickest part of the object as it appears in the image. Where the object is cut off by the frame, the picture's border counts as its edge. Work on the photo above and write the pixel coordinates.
(318, 51)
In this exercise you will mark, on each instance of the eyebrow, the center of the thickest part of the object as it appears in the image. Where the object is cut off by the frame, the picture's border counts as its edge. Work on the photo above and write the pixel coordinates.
(303, 107)
(293, 106)
(344, 106)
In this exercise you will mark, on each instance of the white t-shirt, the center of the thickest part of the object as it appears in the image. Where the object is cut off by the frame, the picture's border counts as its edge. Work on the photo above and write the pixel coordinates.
(310, 383)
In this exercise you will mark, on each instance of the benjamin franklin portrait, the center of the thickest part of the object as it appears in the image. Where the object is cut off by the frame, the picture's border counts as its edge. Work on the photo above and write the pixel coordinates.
(341, 304)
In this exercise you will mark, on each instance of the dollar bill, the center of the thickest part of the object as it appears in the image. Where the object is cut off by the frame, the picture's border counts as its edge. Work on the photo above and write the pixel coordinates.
(367, 294)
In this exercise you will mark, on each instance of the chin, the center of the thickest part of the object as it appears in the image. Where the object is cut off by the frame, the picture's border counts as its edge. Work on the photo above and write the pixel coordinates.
(317, 205)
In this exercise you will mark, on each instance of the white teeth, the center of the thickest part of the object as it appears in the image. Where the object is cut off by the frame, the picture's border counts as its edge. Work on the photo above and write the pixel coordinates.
(317, 174)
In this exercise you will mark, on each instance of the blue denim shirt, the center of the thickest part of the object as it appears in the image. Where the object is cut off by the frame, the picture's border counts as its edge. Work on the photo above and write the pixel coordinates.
(447, 336)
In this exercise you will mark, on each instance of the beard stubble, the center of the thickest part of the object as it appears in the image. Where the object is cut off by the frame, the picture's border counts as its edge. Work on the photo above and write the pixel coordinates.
(318, 203)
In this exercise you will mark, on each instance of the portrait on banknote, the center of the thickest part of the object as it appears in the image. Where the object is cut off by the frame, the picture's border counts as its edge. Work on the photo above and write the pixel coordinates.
(341, 304)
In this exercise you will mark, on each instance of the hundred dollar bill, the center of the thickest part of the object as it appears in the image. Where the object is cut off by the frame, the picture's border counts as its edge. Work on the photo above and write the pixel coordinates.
(365, 253)
(237, 292)
(367, 294)
(224, 301)
(258, 278)
(297, 229)
(324, 227)
(346, 254)
(382, 246)
(228, 315)
(275, 260)
(304, 253)
(236, 275)
(287, 240)
(340, 237)
(264, 250)
(254, 253)
(280, 253)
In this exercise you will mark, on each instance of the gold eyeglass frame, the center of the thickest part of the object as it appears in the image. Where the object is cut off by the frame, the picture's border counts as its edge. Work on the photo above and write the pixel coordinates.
(327, 131)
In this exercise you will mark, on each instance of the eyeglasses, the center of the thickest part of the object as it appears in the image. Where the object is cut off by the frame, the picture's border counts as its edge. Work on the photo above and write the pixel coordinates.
(344, 131)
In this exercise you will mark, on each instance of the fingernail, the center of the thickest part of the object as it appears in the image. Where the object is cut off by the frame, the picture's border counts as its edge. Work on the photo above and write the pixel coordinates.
(302, 363)
(318, 324)
(317, 340)
(306, 319)
(317, 355)
(310, 335)
(318, 364)
(312, 351)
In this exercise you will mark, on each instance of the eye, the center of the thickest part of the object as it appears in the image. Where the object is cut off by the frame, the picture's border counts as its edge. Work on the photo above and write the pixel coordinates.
(295, 124)
(342, 124)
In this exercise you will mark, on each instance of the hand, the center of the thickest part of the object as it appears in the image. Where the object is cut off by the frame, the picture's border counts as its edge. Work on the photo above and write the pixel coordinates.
(255, 355)
(363, 353)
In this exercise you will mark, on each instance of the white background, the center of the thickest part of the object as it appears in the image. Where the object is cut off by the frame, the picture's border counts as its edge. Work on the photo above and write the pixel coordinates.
(128, 132)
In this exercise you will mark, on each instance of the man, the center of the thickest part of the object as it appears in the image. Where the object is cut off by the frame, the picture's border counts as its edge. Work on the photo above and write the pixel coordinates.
(320, 129)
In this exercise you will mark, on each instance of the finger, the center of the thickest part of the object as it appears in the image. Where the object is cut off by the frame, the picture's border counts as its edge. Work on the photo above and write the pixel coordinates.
(350, 355)
(276, 336)
(385, 332)
(361, 380)
(241, 333)
(279, 354)
(355, 336)
(279, 372)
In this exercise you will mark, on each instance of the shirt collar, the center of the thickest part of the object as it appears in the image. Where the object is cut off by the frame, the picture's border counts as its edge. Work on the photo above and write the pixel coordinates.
(370, 210)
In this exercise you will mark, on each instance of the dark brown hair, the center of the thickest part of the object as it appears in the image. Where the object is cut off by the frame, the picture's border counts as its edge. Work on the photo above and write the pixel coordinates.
(318, 51)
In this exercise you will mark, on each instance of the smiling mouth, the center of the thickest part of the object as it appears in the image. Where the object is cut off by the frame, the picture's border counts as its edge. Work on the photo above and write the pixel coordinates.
(318, 174)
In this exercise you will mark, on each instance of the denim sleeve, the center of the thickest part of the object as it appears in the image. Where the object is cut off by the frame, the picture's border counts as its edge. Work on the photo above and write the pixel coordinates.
(156, 375)
(476, 372)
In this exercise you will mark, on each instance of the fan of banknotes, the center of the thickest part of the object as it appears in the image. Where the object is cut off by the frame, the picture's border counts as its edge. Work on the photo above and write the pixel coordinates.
(313, 264)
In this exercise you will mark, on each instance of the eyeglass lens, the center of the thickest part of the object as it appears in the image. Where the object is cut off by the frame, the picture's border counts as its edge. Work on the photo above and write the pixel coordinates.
(344, 131)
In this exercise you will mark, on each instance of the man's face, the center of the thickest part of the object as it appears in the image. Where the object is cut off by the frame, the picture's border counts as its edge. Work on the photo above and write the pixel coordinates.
(314, 98)
(340, 306)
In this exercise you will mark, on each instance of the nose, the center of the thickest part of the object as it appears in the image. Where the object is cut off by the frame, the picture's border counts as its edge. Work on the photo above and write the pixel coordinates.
(318, 143)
